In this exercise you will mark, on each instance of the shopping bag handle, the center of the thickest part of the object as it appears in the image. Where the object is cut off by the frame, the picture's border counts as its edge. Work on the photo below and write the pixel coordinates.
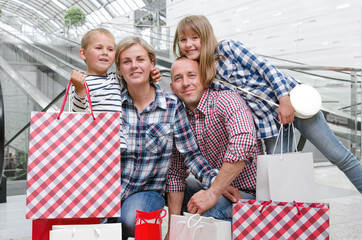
(66, 95)
(280, 134)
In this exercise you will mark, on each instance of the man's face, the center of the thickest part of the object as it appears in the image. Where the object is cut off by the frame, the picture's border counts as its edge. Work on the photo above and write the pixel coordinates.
(186, 82)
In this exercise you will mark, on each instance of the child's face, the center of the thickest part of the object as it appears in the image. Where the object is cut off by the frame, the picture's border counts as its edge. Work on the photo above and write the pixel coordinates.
(135, 65)
(190, 45)
(99, 54)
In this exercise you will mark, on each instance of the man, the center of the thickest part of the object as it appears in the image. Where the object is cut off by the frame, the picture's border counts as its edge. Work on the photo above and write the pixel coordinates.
(225, 133)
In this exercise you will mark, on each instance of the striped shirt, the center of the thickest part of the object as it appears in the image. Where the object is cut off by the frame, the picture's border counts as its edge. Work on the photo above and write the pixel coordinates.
(224, 129)
(105, 93)
(243, 68)
(151, 136)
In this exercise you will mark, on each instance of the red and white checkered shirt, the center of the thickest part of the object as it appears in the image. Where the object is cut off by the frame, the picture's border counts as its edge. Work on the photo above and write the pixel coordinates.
(224, 130)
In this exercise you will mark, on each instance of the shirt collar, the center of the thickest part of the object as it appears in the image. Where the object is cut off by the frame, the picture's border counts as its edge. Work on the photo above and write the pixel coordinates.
(160, 100)
(202, 106)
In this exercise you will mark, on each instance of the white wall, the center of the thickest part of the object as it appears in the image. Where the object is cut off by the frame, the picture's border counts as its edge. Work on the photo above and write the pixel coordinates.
(315, 32)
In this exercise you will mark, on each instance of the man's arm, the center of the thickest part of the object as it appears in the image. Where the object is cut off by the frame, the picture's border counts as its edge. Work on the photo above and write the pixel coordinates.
(206, 199)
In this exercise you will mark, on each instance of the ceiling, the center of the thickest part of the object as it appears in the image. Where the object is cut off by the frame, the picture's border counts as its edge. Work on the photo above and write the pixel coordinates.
(48, 15)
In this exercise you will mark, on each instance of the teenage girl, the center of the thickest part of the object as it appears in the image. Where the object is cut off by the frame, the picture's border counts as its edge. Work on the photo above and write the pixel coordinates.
(231, 61)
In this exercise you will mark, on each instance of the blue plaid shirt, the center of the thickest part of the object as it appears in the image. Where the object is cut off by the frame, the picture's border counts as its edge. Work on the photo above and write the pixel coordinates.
(243, 68)
(151, 136)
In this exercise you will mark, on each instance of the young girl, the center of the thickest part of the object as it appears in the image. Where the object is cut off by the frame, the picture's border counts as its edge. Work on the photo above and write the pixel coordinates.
(231, 61)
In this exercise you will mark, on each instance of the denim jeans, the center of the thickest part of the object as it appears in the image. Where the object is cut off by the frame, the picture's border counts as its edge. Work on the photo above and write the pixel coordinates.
(223, 209)
(317, 131)
(144, 201)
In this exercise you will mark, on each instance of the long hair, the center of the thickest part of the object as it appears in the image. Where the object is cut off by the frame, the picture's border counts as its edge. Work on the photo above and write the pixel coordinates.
(126, 43)
(200, 25)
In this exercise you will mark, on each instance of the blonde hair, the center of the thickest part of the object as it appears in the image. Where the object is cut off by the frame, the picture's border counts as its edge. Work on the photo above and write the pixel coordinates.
(200, 25)
(127, 43)
(90, 34)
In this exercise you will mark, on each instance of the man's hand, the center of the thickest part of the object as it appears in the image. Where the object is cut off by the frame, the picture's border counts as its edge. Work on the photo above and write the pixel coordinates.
(232, 194)
(78, 79)
(156, 75)
(285, 111)
(202, 201)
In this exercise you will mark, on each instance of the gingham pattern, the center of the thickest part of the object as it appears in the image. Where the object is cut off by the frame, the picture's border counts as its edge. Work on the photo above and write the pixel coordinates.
(151, 136)
(244, 68)
(280, 220)
(224, 130)
(73, 166)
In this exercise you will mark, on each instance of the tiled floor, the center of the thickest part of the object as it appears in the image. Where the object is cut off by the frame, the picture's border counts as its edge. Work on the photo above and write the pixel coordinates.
(332, 187)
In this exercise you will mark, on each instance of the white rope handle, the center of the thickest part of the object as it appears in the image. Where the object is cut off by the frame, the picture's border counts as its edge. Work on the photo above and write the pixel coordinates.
(282, 138)
(196, 221)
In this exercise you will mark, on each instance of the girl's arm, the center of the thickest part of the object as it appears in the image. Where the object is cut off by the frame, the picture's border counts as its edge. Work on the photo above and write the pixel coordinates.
(273, 77)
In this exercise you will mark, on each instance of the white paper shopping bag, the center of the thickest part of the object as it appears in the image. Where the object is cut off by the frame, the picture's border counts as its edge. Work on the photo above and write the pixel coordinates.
(285, 177)
(111, 231)
(223, 228)
(192, 228)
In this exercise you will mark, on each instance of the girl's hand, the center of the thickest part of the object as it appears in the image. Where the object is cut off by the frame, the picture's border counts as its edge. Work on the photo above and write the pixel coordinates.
(78, 79)
(156, 75)
(285, 111)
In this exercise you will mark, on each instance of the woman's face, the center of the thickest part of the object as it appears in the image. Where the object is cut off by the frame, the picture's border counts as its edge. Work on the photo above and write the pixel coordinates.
(190, 45)
(135, 65)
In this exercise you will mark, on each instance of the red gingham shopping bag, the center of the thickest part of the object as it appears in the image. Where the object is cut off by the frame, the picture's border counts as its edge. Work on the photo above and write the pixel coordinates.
(280, 220)
(73, 165)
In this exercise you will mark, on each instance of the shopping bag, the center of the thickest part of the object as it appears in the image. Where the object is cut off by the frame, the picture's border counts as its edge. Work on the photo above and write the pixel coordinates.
(148, 225)
(73, 165)
(41, 227)
(285, 177)
(196, 227)
(223, 228)
(280, 220)
(111, 231)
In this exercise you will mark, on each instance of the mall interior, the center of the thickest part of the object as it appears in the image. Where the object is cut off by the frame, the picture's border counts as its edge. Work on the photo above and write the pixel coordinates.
(316, 41)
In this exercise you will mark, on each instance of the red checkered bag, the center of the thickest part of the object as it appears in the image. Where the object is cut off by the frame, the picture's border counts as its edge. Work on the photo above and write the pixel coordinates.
(73, 164)
(280, 220)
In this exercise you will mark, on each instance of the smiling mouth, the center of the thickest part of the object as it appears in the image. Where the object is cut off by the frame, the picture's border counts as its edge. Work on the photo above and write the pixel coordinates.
(188, 91)
(136, 73)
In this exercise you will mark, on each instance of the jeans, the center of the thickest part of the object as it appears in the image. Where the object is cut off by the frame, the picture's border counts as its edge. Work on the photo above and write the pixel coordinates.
(223, 209)
(144, 201)
(317, 131)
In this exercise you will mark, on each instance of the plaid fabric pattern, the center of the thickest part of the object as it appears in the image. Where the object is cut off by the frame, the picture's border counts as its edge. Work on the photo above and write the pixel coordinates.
(280, 220)
(151, 135)
(225, 132)
(73, 166)
(105, 92)
(243, 68)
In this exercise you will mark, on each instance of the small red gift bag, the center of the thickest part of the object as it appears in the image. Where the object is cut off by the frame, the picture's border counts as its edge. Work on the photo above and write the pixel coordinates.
(148, 225)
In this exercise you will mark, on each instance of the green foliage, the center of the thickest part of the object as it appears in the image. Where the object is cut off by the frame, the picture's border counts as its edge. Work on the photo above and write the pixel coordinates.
(74, 16)
(0, 12)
